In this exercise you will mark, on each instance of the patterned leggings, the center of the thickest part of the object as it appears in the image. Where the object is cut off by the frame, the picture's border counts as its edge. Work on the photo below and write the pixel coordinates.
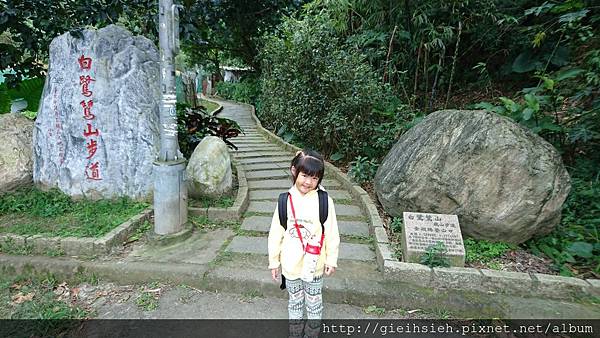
(301, 292)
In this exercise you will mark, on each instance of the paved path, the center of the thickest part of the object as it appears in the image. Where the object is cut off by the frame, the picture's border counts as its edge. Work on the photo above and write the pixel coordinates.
(267, 169)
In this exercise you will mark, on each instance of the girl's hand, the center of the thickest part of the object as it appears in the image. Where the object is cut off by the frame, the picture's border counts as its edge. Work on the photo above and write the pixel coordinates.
(329, 270)
(275, 274)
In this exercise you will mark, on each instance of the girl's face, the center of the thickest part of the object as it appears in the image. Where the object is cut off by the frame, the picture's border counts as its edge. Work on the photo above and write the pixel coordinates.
(306, 183)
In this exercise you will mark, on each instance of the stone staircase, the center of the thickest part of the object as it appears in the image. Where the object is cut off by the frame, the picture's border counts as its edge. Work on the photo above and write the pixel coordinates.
(266, 166)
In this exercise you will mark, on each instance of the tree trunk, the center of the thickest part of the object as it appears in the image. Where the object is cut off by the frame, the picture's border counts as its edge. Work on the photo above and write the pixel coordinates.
(188, 79)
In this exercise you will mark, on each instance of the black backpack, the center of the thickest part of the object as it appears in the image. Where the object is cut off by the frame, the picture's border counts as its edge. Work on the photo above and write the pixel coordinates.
(282, 208)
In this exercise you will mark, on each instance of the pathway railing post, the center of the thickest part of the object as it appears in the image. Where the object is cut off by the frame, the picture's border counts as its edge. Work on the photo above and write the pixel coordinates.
(170, 191)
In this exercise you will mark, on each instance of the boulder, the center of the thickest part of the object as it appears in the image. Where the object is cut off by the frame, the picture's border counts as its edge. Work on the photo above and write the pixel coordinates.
(503, 181)
(97, 130)
(16, 159)
(209, 169)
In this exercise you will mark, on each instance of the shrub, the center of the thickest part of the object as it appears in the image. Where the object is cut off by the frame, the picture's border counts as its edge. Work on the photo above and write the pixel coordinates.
(484, 251)
(324, 92)
(435, 255)
(574, 245)
(245, 91)
(362, 169)
(195, 123)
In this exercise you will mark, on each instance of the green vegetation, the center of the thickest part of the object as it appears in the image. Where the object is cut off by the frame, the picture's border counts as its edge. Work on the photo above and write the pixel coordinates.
(224, 201)
(30, 211)
(209, 105)
(244, 91)
(483, 251)
(374, 309)
(250, 295)
(203, 223)
(540, 62)
(10, 247)
(195, 123)
(435, 256)
(326, 95)
(396, 225)
(575, 244)
(139, 232)
(38, 296)
(148, 299)
(30, 90)
(362, 169)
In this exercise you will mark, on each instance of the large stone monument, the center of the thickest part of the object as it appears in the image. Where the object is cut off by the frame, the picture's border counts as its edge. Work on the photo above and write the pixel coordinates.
(504, 182)
(97, 130)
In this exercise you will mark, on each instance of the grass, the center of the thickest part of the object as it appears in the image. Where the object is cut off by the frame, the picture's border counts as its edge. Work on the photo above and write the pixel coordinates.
(483, 251)
(8, 246)
(210, 106)
(224, 201)
(222, 256)
(203, 223)
(33, 296)
(30, 211)
(139, 232)
(148, 300)
(357, 239)
(344, 201)
(374, 309)
(248, 296)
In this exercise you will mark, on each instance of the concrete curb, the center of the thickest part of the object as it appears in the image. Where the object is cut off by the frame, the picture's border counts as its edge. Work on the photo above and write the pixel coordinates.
(391, 294)
(73, 246)
(233, 213)
(465, 279)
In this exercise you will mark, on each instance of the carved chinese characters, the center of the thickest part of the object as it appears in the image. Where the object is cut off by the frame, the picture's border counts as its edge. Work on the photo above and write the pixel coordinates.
(422, 230)
(92, 168)
(97, 130)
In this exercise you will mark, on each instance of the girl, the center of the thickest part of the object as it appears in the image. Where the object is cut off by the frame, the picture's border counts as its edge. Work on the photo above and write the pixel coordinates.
(293, 248)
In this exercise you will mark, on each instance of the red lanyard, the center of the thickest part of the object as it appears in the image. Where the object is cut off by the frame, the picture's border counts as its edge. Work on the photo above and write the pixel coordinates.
(298, 228)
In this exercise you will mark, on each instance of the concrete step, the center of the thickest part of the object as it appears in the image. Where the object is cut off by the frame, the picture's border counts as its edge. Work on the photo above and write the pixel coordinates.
(258, 245)
(286, 184)
(267, 166)
(273, 194)
(268, 174)
(269, 206)
(348, 228)
(250, 134)
(200, 248)
(252, 138)
(239, 141)
(259, 154)
(243, 148)
(265, 159)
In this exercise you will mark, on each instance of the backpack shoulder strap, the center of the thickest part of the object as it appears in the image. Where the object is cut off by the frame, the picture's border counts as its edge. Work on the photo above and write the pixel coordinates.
(323, 207)
(282, 208)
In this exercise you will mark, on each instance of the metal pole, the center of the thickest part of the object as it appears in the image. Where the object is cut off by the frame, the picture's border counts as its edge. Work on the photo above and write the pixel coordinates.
(170, 191)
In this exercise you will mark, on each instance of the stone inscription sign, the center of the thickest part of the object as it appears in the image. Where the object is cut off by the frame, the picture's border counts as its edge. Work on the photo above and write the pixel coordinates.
(97, 130)
(422, 230)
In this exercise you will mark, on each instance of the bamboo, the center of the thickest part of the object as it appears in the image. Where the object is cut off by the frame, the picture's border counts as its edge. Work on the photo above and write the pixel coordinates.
(387, 59)
(417, 67)
(453, 64)
(435, 79)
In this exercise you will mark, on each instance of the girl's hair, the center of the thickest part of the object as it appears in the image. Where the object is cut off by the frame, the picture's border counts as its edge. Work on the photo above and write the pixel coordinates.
(309, 162)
